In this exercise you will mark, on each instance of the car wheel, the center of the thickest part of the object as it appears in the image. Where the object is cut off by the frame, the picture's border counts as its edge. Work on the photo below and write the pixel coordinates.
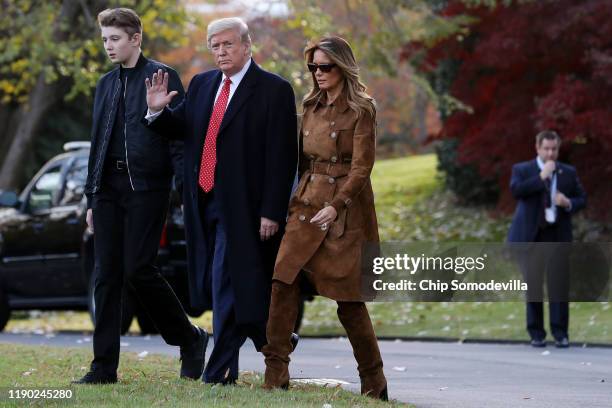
(5, 312)
(127, 309)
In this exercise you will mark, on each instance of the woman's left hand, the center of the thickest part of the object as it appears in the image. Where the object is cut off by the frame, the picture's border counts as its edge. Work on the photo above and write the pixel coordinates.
(325, 217)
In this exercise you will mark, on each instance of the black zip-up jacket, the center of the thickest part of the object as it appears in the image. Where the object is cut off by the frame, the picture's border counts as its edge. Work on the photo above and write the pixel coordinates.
(151, 158)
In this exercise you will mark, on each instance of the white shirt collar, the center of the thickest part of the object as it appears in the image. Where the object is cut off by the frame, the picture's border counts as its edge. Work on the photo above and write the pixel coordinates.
(237, 77)
(540, 162)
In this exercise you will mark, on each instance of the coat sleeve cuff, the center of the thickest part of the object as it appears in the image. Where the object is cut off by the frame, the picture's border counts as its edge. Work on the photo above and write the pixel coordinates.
(338, 203)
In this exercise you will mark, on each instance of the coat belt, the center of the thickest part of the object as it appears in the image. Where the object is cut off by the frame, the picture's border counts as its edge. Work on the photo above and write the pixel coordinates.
(329, 168)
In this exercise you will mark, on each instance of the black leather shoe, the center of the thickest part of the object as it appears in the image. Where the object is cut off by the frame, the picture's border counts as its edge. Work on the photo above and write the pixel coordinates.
(538, 343)
(96, 377)
(562, 343)
(193, 356)
(294, 340)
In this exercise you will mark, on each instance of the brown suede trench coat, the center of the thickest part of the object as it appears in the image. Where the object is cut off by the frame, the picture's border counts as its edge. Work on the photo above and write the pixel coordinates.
(336, 158)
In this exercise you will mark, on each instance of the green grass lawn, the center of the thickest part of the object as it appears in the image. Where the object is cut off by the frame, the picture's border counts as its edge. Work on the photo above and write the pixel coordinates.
(150, 382)
(411, 207)
(589, 322)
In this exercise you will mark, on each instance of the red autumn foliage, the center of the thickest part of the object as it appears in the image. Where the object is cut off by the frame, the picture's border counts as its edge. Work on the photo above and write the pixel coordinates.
(528, 67)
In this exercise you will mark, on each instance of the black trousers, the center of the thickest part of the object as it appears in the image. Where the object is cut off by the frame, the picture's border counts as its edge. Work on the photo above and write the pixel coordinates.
(552, 261)
(127, 229)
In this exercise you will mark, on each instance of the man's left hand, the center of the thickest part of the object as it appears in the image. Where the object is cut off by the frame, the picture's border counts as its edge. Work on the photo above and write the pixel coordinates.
(267, 228)
(562, 201)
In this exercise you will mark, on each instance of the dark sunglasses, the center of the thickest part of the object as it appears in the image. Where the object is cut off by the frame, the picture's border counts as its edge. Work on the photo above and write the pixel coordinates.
(312, 67)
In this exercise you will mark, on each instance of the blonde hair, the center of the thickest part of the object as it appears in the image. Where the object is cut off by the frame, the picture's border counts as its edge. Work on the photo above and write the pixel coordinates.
(340, 53)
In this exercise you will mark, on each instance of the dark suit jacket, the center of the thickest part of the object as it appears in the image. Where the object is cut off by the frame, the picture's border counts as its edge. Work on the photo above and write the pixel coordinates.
(529, 189)
(256, 165)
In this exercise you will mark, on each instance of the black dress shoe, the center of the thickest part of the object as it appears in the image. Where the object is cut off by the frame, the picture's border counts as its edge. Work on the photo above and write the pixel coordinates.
(538, 343)
(562, 343)
(96, 377)
(193, 356)
(294, 341)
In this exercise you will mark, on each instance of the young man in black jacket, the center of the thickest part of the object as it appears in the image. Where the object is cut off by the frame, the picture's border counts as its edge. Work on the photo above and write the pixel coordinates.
(128, 183)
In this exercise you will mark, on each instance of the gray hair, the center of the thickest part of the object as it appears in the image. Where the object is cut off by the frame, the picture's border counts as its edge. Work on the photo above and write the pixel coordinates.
(231, 23)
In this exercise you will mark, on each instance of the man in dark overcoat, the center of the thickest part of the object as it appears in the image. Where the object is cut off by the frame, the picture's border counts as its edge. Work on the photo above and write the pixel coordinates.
(239, 126)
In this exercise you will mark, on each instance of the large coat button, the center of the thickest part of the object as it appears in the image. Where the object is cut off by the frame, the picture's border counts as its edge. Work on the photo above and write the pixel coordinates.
(306, 133)
(331, 180)
(302, 217)
(334, 159)
(312, 177)
(333, 135)
(306, 201)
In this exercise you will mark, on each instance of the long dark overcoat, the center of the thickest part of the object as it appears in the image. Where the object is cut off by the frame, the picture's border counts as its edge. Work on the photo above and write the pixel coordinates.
(256, 166)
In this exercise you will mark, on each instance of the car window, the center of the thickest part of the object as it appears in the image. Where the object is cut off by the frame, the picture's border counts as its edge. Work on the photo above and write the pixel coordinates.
(75, 182)
(46, 188)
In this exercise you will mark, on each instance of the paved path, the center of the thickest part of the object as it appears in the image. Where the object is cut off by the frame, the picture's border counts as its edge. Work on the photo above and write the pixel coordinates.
(430, 374)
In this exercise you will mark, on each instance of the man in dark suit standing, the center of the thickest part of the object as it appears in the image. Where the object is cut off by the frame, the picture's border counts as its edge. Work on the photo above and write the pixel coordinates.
(548, 194)
(240, 130)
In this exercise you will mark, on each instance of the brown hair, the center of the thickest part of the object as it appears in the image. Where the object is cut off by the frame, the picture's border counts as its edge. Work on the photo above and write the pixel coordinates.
(548, 135)
(339, 51)
(121, 17)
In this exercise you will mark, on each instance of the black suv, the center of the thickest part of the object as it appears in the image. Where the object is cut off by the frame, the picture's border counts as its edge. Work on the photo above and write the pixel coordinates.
(46, 253)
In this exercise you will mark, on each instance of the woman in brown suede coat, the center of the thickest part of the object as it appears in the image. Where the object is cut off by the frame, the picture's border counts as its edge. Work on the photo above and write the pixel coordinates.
(331, 215)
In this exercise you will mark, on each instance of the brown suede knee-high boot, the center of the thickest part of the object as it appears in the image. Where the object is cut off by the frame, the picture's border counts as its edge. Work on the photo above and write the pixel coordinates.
(356, 321)
(281, 321)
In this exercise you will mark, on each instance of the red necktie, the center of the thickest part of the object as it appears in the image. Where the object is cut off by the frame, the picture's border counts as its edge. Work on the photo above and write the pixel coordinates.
(209, 154)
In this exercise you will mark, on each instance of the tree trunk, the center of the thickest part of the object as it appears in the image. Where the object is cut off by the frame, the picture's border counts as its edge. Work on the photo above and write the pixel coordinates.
(420, 116)
(23, 123)
(6, 111)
